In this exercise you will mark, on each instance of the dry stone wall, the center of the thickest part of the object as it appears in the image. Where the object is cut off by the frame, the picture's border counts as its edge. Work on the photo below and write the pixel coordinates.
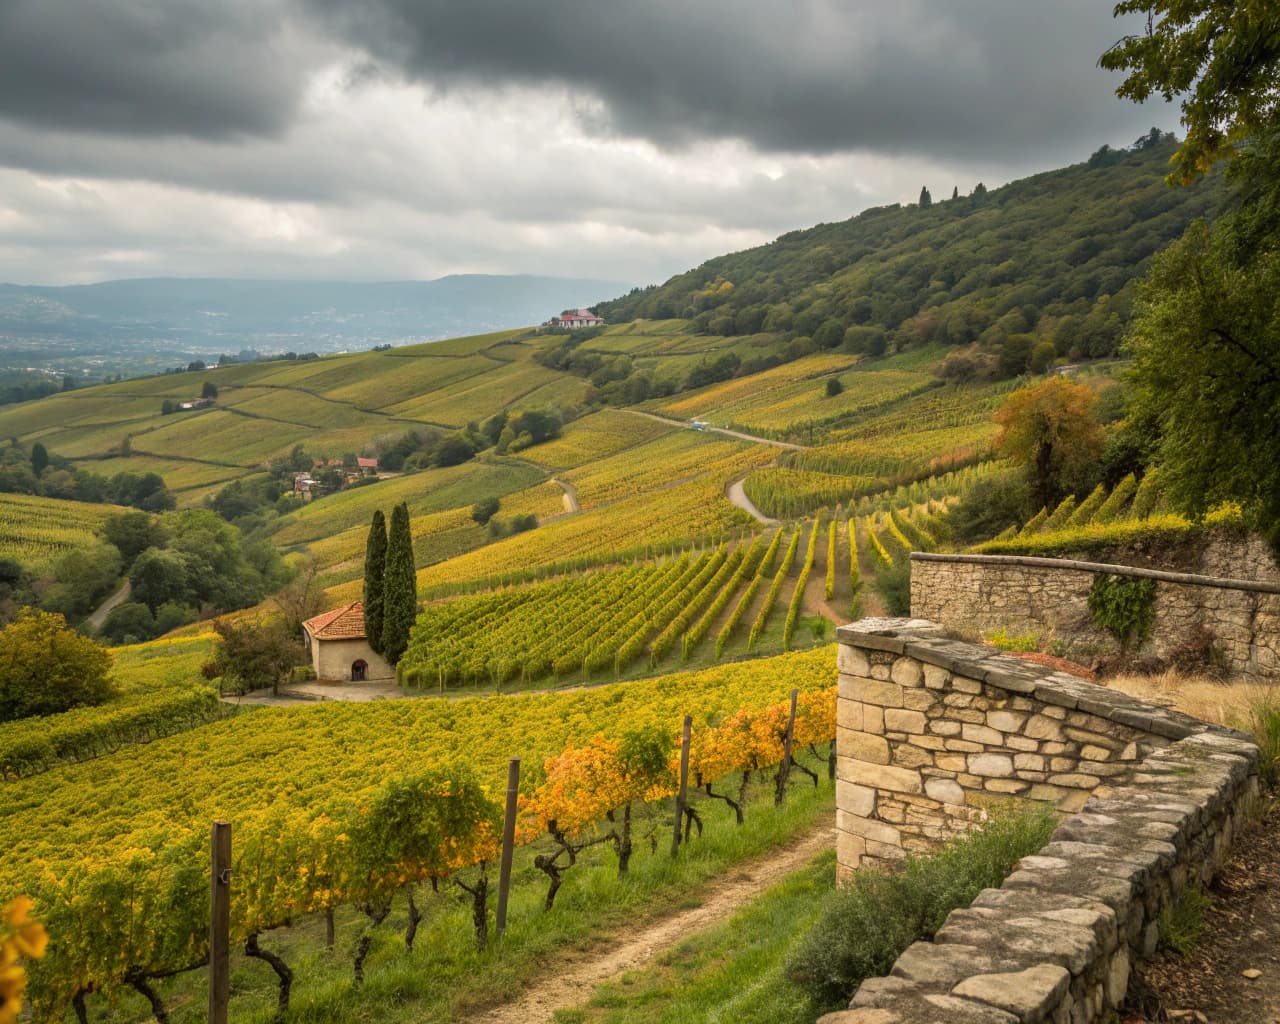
(931, 729)
(1235, 621)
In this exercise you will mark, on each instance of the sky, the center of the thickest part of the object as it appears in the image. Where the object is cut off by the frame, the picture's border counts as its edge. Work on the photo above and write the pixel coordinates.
(620, 139)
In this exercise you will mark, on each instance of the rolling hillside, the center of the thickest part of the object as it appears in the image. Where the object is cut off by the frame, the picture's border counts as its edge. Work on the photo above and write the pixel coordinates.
(1051, 256)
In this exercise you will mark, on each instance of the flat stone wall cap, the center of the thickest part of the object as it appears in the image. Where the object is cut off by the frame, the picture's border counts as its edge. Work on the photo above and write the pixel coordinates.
(883, 992)
(931, 1009)
(1030, 995)
(940, 966)
(864, 1016)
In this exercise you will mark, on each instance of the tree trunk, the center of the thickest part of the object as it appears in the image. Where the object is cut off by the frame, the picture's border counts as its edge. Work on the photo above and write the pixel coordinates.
(807, 770)
(549, 867)
(737, 807)
(284, 975)
(328, 929)
(691, 818)
(415, 915)
(139, 982)
(77, 1003)
(376, 916)
(622, 840)
(479, 905)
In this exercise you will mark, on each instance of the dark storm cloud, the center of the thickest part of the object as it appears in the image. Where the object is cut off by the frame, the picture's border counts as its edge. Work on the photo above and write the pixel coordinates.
(938, 77)
(215, 69)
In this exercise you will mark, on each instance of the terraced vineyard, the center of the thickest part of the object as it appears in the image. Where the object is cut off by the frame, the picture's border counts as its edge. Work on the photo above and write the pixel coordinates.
(34, 531)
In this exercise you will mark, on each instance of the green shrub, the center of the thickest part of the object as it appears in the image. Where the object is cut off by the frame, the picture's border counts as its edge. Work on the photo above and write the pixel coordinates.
(1123, 605)
(894, 584)
(869, 921)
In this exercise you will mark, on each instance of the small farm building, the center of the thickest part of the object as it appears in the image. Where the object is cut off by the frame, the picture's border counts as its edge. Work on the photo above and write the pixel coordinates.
(340, 650)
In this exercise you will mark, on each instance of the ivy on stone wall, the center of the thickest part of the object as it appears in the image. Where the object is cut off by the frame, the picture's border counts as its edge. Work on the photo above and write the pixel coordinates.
(1124, 606)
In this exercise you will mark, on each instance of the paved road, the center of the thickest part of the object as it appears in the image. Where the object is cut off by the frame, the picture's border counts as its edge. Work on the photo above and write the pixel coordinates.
(719, 430)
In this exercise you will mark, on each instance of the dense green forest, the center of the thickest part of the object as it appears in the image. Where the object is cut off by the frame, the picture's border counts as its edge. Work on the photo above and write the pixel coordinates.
(1054, 258)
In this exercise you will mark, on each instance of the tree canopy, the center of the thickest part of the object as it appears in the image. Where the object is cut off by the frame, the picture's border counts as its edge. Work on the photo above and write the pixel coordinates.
(1221, 56)
(375, 567)
(1050, 432)
(46, 667)
(1055, 256)
(400, 587)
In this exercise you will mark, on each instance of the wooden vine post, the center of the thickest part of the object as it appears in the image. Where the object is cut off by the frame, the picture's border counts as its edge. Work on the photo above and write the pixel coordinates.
(508, 842)
(220, 922)
(784, 769)
(682, 796)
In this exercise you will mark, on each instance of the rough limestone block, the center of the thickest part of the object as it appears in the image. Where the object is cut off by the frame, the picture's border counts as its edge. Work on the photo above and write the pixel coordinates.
(1006, 721)
(850, 849)
(981, 734)
(907, 672)
(918, 699)
(852, 661)
(859, 800)
(849, 714)
(991, 765)
(1042, 727)
(864, 746)
(944, 727)
(869, 829)
(872, 691)
(899, 720)
(877, 776)
(936, 678)
(1030, 995)
(945, 790)
(1075, 781)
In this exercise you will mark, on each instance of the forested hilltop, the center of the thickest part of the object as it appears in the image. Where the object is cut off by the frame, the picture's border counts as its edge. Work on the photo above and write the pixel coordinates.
(1054, 257)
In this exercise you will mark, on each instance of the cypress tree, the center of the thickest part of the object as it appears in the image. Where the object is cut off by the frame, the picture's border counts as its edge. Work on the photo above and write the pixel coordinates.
(375, 565)
(399, 588)
(925, 198)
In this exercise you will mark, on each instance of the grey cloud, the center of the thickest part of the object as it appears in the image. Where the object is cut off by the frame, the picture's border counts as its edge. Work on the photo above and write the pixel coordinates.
(918, 76)
(193, 68)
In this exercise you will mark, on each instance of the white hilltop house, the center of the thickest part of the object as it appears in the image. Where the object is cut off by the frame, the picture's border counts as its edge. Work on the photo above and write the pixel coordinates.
(340, 650)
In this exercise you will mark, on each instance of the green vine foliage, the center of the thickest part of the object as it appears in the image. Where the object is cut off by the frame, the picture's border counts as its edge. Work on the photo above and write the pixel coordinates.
(1124, 606)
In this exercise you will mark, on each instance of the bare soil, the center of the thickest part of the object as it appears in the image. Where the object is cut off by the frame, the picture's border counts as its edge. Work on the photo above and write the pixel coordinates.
(568, 978)
(1242, 934)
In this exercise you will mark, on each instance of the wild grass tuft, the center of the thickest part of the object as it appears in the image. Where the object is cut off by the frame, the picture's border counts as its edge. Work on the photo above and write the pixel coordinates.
(1182, 923)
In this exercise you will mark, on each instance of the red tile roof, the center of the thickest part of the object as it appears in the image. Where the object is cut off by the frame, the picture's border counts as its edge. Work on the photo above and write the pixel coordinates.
(346, 623)
(364, 463)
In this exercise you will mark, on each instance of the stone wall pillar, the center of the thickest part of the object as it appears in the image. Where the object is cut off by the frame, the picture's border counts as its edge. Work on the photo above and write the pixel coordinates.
(931, 730)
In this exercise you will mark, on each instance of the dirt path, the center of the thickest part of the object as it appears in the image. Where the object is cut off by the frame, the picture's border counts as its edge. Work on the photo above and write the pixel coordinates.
(719, 430)
(569, 982)
(1216, 983)
(736, 492)
(570, 495)
(100, 614)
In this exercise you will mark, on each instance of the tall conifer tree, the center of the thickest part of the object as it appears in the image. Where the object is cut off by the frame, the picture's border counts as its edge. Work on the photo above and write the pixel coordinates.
(399, 588)
(375, 567)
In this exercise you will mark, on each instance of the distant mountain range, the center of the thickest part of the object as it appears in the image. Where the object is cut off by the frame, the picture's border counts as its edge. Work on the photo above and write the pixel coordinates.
(150, 322)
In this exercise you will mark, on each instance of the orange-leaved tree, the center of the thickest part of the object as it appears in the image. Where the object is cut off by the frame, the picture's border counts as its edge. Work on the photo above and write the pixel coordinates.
(1049, 430)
